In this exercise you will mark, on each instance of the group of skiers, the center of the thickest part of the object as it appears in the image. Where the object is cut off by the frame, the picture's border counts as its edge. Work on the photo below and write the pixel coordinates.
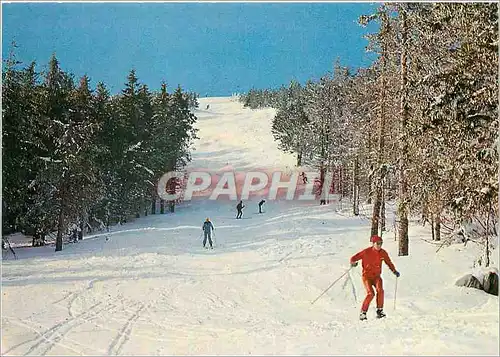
(240, 206)
(371, 262)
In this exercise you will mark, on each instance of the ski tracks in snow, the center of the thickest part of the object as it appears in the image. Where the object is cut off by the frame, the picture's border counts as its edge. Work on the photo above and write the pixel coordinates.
(56, 333)
(123, 336)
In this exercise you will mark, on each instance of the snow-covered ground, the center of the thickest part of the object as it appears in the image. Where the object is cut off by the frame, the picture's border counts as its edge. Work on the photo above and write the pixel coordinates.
(236, 137)
(149, 288)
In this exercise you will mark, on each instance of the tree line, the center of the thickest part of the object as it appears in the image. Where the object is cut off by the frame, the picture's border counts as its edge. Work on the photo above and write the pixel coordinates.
(419, 125)
(76, 155)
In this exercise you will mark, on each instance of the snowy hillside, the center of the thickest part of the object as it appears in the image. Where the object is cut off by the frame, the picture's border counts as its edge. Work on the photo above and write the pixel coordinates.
(149, 288)
(233, 136)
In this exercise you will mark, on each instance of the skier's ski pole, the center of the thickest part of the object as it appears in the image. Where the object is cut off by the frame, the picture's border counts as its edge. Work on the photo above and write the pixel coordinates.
(349, 280)
(332, 284)
(395, 292)
(353, 288)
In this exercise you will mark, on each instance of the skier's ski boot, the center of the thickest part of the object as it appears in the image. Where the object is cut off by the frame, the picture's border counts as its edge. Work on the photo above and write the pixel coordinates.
(362, 316)
(380, 313)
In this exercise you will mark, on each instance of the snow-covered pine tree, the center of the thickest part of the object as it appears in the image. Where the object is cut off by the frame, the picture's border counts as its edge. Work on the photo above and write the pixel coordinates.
(84, 156)
(133, 114)
(329, 115)
(291, 125)
(182, 132)
(456, 76)
(20, 110)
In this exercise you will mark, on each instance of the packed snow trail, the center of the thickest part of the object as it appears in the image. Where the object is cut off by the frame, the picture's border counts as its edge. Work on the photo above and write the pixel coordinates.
(150, 288)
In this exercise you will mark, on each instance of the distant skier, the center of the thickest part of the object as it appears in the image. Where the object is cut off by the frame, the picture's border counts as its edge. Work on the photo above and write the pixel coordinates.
(73, 232)
(239, 207)
(372, 258)
(260, 205)
(304, 177)
(207, 228)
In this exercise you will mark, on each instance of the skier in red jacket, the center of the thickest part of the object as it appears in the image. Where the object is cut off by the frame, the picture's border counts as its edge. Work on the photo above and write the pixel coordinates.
(372, 258)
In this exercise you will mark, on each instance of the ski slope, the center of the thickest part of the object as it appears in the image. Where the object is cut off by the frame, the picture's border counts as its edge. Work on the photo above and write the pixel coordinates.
(149, 288)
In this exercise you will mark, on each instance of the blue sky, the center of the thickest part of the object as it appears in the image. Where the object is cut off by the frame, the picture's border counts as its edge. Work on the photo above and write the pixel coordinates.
(214, 49)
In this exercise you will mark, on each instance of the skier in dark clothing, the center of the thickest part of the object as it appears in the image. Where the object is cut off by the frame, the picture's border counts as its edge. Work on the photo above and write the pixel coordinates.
(207, 228)
(239, 207)
(304, 177)
(260, 205)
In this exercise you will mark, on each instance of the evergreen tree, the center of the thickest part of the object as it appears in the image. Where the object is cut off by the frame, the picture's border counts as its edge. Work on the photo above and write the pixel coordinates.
(291, 125)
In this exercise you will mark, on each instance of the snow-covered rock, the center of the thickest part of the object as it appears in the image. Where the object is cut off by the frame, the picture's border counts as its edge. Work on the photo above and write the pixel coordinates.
(483, 279)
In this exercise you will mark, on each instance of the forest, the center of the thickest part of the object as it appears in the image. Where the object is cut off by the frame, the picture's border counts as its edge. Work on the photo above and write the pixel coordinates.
(76, 158)
(417, 128)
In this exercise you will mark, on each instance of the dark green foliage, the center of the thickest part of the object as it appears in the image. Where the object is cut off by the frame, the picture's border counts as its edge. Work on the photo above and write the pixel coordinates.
(264, 98)
(74, 155)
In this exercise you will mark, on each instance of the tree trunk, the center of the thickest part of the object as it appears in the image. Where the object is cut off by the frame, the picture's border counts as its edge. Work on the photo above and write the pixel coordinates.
(403, 238)
(424, 215)
(153, 206)
(437, 227)
(322, 197)
(299, 158)
(82, 227)
(356, 201)
(60, 227)
(370, 177)
(376, 211)
(108, 216)
(488, 238)
(382, 209)
(172, 206)
(432, 228)
(487, 251)
(403, 194)
(341, 184)
(162, 206)
(380, 155)
(371, 192)
(355, 188)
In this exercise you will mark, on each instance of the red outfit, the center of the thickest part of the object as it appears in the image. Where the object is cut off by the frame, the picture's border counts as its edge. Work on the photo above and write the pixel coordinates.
(372, 268)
